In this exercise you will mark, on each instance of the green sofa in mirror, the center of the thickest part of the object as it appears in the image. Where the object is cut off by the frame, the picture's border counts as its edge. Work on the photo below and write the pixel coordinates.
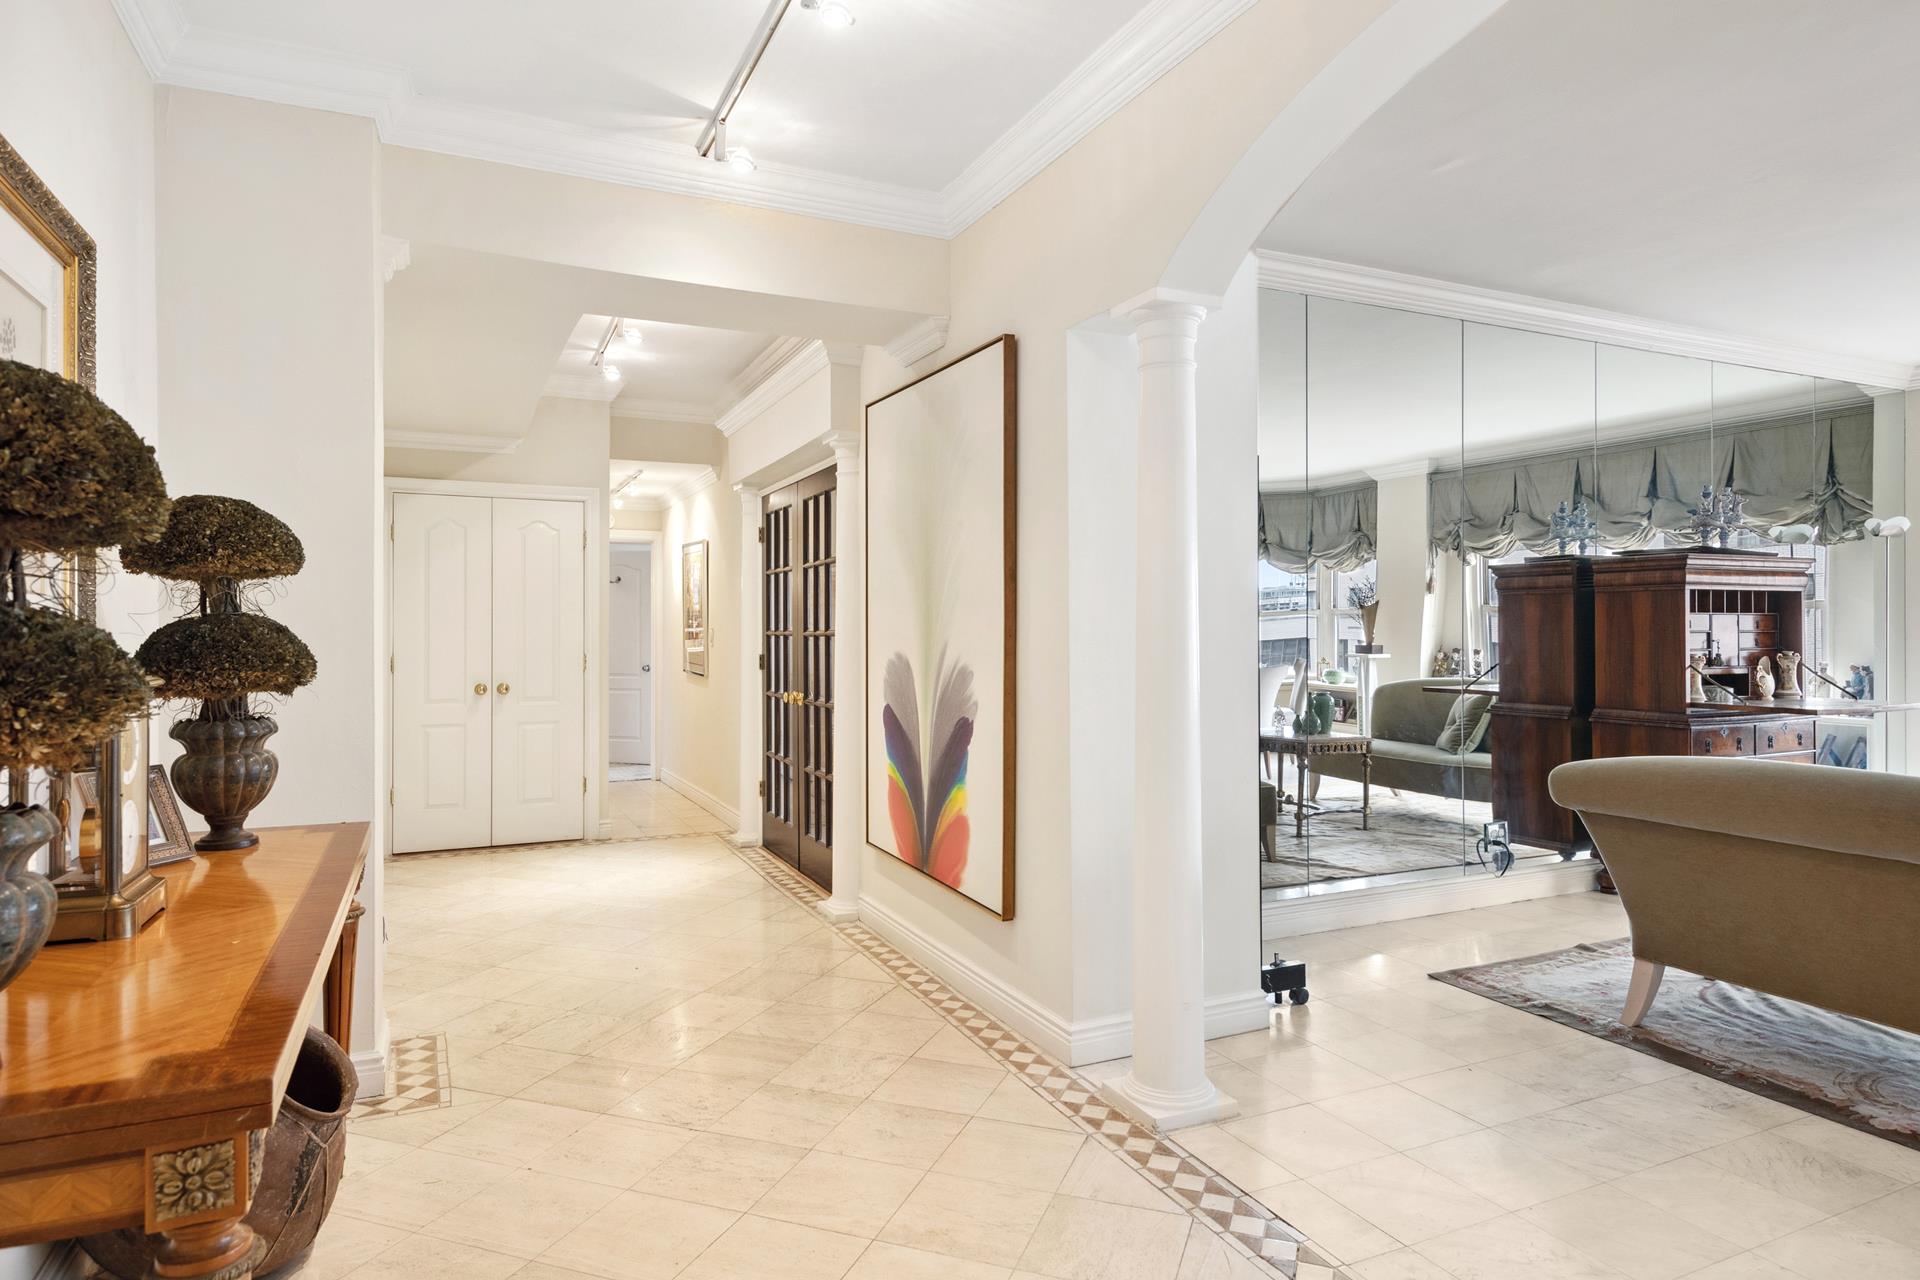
(1408, 716)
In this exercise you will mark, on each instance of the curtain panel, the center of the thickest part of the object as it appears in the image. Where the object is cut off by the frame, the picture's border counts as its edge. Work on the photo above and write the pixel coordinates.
(1800, 470)
(1332, 527)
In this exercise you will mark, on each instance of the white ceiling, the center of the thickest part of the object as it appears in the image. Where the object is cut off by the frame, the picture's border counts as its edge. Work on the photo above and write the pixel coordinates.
(1391, 389)
(1746, 166)
(921, 116)
(645, 485)
(676, 370)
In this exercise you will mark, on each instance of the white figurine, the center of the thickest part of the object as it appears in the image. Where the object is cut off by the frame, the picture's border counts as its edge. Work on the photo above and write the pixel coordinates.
(1789, 663)
(1762, 677)
(1697, 678)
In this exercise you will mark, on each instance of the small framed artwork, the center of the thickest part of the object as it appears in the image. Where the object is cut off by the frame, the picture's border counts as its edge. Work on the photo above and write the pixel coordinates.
(693, 605)
(166, 830)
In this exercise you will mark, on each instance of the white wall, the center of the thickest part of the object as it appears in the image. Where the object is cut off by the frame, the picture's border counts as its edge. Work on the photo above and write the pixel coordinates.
(697, 753)
(269, 312)
(78, 107)
(1409, 622)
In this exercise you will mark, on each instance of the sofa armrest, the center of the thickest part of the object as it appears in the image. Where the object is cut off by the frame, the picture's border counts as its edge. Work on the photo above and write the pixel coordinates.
(1841, 810)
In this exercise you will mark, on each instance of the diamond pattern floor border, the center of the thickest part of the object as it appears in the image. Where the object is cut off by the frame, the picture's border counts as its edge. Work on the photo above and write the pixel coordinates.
(1246, 1224)
(418, 1077)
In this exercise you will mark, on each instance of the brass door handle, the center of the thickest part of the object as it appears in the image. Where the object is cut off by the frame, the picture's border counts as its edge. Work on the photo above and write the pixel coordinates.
(480, 686)
(501, 688)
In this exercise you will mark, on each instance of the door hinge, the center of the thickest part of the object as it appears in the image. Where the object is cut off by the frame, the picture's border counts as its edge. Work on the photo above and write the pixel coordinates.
(763, 791)
(389, 531)
(390, 666)
(583, 784)
(760, 534)
(583, 539)
(763, 662)
(583, 662)
(389, 797)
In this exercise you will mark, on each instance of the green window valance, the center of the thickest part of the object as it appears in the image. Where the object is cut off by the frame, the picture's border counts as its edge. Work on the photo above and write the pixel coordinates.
(1791, 471)
(1334, 527)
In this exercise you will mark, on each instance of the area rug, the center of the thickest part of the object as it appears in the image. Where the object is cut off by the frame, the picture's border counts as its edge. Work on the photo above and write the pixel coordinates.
(1409, 832)
(1859, 1073)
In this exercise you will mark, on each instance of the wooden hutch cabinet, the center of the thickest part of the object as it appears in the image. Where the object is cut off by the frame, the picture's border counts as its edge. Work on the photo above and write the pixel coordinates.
(1593, 664)
(1652, 610)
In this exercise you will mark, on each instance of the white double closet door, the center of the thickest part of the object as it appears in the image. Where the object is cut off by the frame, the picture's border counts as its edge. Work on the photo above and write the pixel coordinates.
(489, 679)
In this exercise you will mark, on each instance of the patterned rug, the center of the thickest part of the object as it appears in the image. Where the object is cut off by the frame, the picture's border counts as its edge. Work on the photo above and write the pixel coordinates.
(1407, 832)
(1859, 1073)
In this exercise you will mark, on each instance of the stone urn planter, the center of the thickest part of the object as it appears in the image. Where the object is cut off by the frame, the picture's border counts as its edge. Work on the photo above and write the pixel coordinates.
(27, 898)
(225, 774)
(300, 1169)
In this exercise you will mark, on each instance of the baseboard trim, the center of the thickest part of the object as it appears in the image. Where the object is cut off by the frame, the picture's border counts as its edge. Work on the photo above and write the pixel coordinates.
(372, 1066)
(700, 796)
(1350, 908)
(606, 828)
(1046, 1030)
(1077, 1044)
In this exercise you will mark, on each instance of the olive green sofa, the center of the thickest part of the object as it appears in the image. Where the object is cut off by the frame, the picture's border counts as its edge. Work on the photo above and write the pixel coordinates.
(1407, 718)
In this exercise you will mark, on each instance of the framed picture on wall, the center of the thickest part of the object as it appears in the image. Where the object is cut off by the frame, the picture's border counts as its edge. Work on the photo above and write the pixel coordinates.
(693, 605)
(940, 476)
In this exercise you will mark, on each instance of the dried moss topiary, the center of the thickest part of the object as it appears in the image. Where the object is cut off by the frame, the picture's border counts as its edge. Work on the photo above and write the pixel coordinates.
(65, 687)
(211, 537)
(225, 655)
(77, 477)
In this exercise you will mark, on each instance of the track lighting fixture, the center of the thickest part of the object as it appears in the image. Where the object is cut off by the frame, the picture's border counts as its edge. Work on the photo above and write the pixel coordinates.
(608, 371)
(630, 333)
(831, 12)
(740, 161)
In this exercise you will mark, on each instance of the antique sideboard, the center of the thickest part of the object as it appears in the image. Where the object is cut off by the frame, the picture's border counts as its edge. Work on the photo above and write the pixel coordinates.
(137, 1077)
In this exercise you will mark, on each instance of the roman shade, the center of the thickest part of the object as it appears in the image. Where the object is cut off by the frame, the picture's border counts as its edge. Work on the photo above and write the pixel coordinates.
(1799, 470)
(1331, 527)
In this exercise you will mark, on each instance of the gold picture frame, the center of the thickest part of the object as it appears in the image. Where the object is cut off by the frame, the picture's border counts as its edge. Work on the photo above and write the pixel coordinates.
(167, 839)
(693, 606)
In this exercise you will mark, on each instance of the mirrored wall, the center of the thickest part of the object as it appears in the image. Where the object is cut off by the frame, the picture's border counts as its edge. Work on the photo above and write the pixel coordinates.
(1485, 551)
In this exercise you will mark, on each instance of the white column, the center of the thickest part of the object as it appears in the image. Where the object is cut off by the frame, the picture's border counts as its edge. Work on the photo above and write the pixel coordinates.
(849, 679)
(1167, 1085)
(751, 636)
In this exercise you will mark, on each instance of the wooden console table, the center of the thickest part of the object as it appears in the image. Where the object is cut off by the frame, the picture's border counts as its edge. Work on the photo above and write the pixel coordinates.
(137, 1077)
(1306, 748)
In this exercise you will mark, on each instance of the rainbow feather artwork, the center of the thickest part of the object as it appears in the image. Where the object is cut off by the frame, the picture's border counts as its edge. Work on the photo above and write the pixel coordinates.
(927, 776)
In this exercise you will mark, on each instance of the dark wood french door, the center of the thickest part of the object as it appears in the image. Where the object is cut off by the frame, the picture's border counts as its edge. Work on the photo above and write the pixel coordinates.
(796, 664)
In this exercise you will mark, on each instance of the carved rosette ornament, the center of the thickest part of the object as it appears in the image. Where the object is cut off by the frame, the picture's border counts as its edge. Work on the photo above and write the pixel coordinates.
(195, 1181)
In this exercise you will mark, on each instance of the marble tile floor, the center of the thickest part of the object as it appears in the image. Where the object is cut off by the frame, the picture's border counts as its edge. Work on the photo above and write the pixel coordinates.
(660, 1064)
(1416, 1132)
(651, 809)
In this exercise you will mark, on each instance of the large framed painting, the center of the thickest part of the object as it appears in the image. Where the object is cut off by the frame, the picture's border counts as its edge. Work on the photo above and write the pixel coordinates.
(47, 268)
(693, 605)
(941, 456)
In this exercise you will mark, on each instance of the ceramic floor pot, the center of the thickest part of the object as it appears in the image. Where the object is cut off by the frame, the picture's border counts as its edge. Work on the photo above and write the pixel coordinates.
(27, 898)
(300, 1169)
(224, 775)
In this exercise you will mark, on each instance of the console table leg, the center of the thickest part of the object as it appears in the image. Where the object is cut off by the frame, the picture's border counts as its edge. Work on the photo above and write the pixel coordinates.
(219, 1250)
(338, 995)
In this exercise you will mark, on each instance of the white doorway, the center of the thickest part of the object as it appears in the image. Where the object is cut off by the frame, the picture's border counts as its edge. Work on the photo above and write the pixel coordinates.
(630, 693)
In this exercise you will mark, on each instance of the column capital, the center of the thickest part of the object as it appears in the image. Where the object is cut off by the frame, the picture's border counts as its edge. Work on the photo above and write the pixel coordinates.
(846, 449)
(746, 491)
(1163, 304)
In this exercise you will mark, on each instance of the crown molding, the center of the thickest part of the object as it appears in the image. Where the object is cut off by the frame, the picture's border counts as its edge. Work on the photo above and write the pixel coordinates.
(1375, 287)
(800, 363)
(446, 442)
(771, 357)
(1147, 47)
(665, 410)
(921, 341)
(582, 386)
(1156, 40)
(692, 484)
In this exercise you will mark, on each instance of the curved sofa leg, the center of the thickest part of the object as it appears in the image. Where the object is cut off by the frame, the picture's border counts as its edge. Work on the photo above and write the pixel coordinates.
(1641, 990)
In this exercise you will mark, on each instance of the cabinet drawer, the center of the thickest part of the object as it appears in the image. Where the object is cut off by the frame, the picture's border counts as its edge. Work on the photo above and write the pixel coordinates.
(1784, 736)
(1726, 740)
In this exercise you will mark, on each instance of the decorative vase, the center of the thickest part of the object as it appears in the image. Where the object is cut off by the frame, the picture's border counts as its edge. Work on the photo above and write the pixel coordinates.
(299, 1171)
(1322, 704)
(1369, 614)
(27, 898)
(1789, 664)
(1762, 677)
(224, 775)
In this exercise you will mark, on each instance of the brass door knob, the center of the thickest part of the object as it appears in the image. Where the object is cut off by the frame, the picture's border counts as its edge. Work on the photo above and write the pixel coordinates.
(479, 686)
(501, 688)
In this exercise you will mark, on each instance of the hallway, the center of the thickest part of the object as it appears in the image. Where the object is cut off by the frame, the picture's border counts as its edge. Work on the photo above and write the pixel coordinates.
(654, 1059)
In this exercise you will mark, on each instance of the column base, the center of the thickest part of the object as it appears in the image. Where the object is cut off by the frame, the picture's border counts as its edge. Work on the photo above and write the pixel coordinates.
(744, 839)
(838, 912)
(1164, 1112)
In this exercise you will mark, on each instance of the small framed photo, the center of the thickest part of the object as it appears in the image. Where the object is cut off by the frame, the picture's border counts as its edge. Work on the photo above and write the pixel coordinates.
(166, 830)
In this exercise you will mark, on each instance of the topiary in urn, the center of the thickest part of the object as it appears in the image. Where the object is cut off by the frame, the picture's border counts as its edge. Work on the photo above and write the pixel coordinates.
(222, 656)
(74, 478)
